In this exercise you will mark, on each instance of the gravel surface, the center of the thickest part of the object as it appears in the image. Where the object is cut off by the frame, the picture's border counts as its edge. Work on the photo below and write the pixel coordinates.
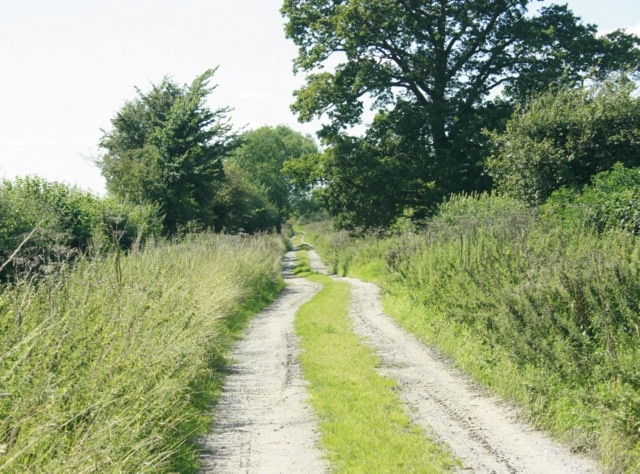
(264, 424)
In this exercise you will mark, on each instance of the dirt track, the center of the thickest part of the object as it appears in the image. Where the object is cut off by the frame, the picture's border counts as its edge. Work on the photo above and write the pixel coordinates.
(264, 424)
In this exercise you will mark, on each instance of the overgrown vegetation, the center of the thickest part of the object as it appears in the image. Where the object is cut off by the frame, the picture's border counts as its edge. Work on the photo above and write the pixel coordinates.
(363, 423)
(111, 365)
(110, 335)
(53, 224)
(545, 314)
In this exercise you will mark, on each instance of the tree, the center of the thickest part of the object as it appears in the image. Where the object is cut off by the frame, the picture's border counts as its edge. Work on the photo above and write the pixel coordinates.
(166, 147)
(243, 205)
(265, 152)
(432, 70)
(564, 138)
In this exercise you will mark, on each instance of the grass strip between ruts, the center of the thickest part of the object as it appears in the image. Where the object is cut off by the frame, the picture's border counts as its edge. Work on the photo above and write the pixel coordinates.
(363, 424)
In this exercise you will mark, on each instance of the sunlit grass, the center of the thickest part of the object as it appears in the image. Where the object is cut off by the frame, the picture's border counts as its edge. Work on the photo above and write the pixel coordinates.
(363, 423)
(112, 366)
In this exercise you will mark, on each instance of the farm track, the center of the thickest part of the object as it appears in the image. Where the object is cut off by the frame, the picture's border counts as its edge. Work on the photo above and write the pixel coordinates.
(265, 425)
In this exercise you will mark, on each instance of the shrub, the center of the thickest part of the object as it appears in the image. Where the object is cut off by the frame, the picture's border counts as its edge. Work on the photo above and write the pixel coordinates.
(565, 137)
(611, 201)
(62, 222)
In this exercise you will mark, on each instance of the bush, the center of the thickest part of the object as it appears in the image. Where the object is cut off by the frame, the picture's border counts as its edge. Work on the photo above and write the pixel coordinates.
(242, 205)
(611, 201)
(565, 137)
(62, 222)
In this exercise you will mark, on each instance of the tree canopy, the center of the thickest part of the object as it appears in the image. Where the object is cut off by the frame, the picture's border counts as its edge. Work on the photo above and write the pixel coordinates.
(564, 138)
(166, 147)
(431, 71)
(265, 154)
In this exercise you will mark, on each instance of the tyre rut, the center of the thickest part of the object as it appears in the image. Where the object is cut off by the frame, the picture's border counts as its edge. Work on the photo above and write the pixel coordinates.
(482, 430)
(263, 423)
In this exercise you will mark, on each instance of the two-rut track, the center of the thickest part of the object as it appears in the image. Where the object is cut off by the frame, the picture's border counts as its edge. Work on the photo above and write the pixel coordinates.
(264, 424)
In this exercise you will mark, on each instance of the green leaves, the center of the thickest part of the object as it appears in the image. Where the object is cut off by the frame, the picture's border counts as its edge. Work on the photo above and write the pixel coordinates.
(166, 147)
(65, 222)
(611, 201)
(264, 154)
(563, 138)
(438, 63)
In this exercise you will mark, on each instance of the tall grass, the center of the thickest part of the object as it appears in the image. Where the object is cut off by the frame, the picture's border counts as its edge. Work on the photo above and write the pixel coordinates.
(110, 366)
(545, 315)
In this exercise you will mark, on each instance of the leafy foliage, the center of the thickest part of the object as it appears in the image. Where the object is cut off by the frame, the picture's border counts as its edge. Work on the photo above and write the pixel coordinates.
(564, 137)
(611, 201)
(65, 222)
(265, 153)
(243, 205)
(428, 69)
(166, 148)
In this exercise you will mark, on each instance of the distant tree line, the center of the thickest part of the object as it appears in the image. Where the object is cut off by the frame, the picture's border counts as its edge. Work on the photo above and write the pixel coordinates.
(172, 166)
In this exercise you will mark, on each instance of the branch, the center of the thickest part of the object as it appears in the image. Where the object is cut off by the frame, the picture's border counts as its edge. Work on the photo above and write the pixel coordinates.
(15, 252)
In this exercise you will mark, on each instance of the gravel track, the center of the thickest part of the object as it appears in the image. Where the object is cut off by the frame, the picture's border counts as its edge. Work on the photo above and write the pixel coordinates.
(264, 424)
(481, 430)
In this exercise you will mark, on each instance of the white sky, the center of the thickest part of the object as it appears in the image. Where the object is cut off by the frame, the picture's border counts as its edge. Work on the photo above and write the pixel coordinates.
(69, 65)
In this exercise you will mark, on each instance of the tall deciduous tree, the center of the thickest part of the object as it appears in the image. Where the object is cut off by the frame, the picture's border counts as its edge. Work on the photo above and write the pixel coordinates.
(430, 69)
(263, 153)
(166, 147)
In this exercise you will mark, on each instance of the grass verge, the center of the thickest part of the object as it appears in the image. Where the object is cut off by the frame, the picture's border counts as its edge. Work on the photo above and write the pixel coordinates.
(111, 366)
(362, 420)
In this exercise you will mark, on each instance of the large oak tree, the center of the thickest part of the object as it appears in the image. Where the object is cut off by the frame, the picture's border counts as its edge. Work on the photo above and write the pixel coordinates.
(431, 70)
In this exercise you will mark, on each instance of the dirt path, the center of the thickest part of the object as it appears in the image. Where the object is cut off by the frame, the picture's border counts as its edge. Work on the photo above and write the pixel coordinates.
(481, 430)
(267, 427)
(264, 423)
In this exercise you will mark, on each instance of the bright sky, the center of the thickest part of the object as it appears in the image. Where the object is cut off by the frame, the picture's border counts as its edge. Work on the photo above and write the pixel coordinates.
(70, 65)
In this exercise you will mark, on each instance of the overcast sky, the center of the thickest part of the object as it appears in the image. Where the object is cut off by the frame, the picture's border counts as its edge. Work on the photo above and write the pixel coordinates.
(69, 65)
